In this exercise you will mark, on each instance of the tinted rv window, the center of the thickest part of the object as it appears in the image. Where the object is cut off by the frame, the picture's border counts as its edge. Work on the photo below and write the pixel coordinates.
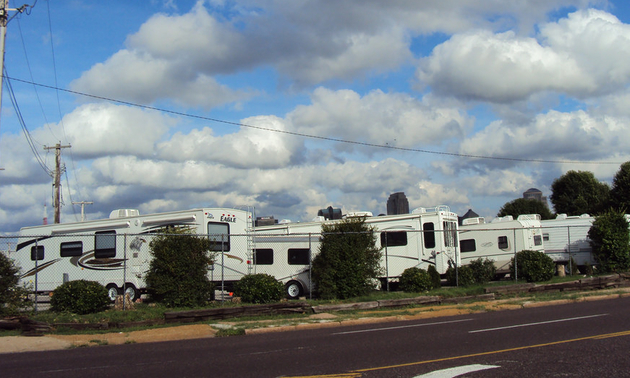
(263, 256)
(545, 236)
(37, 253)
(503, 242)
(393, 238)
(219, 233)
(467, 245)
(429, 235)
(71, 249)
(105, 244)
(298, 256)
(537, 240)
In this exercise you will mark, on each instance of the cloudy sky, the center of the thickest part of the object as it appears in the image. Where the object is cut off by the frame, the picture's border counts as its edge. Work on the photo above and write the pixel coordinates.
(291, 106)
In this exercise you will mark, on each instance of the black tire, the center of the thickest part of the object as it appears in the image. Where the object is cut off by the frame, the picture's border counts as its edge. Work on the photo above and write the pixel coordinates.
(112, 291)
(293, 289)
(132, 291)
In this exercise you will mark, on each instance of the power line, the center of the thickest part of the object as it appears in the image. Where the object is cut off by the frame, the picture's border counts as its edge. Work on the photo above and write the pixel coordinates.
(330, 139)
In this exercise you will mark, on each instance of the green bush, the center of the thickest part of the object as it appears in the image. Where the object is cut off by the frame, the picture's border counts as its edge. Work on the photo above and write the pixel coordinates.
(13, 297)
(259, 288)
(483, 270)
(178, 272)
(611, 241)
(415, 280)
(532, 266)
(436, 280)
(80, 297)
(462, 277)
(348, 261)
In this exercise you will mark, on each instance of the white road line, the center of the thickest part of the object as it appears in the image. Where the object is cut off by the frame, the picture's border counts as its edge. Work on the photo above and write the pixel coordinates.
(400, 327)
(537, 323)
(456, 371)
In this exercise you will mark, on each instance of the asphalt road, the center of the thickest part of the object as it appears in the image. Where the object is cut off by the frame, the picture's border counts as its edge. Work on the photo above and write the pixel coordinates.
(587, 339)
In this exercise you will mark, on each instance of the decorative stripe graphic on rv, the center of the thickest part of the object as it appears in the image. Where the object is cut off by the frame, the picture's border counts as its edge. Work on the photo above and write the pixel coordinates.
(87, 261)
(36, 270)
(29, 242)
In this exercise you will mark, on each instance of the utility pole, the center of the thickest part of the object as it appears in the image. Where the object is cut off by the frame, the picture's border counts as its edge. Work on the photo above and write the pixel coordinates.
(83, 203)
(57, 178)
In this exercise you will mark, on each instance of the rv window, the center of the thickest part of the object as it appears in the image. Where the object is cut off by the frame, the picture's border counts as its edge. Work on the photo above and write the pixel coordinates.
(298, 256)
(429, 235)
(37, 252)
(545, 236)
(263, 256)
(105, 244)
(467, 245)
(71, 249)
(219, 234)
(450, 234)
(537, 240)
(393, 238)
(503, 242)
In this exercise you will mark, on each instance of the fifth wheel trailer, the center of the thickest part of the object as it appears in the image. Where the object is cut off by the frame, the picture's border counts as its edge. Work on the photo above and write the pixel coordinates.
(115, 251)
(427, 236)
(500, 239)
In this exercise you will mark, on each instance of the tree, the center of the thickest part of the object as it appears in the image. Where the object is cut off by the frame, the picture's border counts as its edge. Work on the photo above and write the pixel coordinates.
(620, 191)
(178, 272)
(576, 193)
(348, 260)
(13, 297)
(610, 240)
(525, 206)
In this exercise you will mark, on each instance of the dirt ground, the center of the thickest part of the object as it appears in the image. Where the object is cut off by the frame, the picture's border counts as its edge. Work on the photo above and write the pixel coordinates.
(14, 344)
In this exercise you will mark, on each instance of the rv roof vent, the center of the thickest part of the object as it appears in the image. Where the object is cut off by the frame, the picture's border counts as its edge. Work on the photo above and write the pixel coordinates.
(319, 218)
(476, 220)
(356, 214)
(284, 221)
(561, 216)
(524, 217)
(419, 210)
(124, 213)
(506, 218)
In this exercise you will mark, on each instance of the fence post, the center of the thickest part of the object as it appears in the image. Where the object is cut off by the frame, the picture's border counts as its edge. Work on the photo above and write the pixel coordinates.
(515, 259)
(222, 271)
(310, 267)
(386, 265)
(124, 271)
(569, 246)
(36, 270)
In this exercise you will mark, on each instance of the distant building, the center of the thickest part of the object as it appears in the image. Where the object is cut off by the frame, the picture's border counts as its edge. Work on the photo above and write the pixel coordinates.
(535, 194)
(469, 214)
(397, 203)
(330, 213)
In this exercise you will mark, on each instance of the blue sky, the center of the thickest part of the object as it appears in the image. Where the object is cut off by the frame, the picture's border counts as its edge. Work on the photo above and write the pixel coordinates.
(339, 103)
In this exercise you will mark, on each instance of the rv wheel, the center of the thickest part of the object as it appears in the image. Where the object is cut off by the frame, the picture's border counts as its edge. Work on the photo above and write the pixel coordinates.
(132, 291)
(293, 289)
(112, 291)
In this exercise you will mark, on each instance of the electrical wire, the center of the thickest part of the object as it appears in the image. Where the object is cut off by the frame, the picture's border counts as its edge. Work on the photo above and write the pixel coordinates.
(27, 134)
(330, 139)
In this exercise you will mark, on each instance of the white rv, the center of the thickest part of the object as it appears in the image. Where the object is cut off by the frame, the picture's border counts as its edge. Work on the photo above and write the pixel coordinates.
(566, 237)
(500, 239)
(115, 251)
(424, 237)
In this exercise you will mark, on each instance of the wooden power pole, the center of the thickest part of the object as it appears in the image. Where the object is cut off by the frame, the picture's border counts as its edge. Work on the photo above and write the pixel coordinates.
(83, 203)
(57, 179)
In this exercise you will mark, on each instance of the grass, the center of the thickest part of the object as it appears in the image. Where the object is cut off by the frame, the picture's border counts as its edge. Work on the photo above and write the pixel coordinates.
(155, 312)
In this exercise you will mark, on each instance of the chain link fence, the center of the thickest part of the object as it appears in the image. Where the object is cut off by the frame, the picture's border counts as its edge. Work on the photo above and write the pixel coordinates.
(120, 261)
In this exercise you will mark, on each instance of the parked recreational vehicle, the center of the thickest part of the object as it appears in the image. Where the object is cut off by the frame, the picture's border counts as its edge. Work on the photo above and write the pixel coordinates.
(567, 237)
(115, 251)
(424, 237)
(500, 239)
